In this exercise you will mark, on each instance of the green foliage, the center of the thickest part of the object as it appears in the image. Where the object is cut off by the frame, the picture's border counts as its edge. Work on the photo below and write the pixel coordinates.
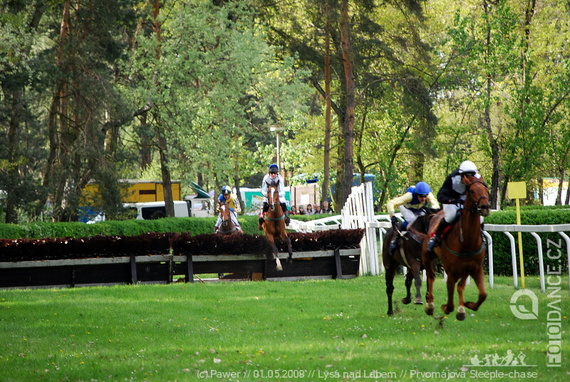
(195, 226)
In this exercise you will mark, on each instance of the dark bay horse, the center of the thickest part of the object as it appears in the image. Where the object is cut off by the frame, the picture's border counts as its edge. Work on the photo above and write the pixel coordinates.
(227, 226)
(408, 254)
(274, 226)
(462, 250)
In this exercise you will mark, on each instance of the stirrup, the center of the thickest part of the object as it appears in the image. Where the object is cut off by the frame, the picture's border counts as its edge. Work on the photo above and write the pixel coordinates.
(432, 243)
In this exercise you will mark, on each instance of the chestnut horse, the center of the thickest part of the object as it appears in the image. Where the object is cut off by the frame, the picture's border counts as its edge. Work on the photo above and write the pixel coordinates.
(462, 250)
(408, 254)
(274, 226)
(227, 226)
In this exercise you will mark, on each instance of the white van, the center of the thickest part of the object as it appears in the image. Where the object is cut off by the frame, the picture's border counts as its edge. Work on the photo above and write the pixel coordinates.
(157, 210)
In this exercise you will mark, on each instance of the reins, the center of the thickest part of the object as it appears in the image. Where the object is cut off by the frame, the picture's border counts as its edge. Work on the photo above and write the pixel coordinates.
(476, 209)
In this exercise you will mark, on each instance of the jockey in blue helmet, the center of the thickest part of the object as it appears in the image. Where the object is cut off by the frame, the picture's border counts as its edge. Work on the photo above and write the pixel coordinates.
(232, 201)
(411, 205)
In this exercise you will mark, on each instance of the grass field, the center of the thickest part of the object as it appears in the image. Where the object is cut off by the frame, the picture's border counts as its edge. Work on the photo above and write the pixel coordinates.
(333, 330)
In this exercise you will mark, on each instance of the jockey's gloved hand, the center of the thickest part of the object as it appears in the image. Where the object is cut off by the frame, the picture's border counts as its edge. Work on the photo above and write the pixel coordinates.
(395, 222)
(231, 209)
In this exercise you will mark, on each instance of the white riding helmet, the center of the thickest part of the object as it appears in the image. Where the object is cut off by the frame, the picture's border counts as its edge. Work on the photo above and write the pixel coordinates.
(467, 167)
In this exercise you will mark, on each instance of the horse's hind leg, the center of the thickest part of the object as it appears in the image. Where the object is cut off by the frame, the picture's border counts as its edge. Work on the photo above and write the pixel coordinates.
(390, 287)
(408, 283)
(479, 281)
(418, 283)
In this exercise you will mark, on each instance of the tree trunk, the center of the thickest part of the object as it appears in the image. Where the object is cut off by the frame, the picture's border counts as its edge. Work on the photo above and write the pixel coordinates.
(344, 180)
(327, 143)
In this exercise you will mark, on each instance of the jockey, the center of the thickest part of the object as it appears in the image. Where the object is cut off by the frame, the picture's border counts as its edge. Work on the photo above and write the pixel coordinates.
(412, 204)
(451, 196)
(272, 178)
(232, 201)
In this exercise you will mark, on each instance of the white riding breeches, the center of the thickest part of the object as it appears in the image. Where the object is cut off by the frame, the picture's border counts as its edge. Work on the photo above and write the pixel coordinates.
(450, 212)
(410, 215)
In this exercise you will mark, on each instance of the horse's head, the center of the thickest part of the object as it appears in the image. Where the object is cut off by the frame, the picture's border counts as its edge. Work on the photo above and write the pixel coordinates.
(224, 212)
(272, 196)
(477, 195)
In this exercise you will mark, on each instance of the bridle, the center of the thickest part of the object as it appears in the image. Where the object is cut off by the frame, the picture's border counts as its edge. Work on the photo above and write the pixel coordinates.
(477, 206)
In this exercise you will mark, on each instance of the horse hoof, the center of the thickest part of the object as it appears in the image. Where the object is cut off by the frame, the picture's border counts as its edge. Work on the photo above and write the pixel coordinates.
(429, 309)
(446, 309)
(390, 313)
(406, 300)
(418, 301)
(460, 313)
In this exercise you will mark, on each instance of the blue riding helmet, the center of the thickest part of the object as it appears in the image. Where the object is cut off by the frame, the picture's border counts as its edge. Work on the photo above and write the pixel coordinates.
(422, 188)
(226, 190)
(273, 168)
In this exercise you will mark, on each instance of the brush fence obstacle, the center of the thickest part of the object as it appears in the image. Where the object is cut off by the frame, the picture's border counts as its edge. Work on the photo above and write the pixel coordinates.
(163, 258)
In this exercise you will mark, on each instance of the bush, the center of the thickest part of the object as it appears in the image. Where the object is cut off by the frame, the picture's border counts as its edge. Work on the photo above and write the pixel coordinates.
(552, 242)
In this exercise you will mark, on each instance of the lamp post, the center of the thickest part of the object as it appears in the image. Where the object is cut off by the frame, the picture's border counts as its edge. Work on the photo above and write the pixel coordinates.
(277, 131)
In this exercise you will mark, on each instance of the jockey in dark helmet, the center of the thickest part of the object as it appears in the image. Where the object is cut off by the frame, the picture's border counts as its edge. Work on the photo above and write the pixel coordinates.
(452, 195)
(272, 178)
(411, 205)
(232, 201)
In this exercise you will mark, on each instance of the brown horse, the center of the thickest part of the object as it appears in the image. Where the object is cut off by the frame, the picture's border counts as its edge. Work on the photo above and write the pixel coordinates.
(227, 226)
(462, 250)
(409, 254)
(274, 226)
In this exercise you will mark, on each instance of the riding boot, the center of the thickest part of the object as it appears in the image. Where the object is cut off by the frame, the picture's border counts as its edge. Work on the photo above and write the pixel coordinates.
(436, 236)
(286, 212)
(262, 217)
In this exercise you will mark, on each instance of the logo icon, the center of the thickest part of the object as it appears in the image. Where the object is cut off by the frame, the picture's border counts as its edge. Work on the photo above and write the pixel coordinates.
(509, 359)
(521, 311)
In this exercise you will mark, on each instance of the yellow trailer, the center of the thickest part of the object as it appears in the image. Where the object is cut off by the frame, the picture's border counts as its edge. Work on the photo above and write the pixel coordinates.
(134, 191)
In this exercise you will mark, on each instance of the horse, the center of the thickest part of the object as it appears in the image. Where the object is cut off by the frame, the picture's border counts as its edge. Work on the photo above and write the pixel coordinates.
(409, 255)
(274, 226)
(227, 226)
(462, 250)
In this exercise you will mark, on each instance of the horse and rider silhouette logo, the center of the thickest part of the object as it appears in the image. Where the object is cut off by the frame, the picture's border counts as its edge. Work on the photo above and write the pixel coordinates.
(509, 359)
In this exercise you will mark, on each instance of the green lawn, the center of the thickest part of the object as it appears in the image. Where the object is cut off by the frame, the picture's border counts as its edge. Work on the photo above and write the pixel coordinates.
(334, 330)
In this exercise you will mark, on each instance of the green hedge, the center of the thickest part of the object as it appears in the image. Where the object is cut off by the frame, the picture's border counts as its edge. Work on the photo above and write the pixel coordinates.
(552, 243)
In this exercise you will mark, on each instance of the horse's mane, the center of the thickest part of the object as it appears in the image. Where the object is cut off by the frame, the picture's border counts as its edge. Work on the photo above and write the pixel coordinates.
(272, 182)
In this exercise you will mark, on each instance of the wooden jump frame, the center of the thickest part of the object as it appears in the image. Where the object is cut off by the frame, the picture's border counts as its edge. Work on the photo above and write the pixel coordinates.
(339, 263)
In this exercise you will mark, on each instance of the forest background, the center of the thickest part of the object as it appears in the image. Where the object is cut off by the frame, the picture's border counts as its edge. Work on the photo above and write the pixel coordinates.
(196, 90)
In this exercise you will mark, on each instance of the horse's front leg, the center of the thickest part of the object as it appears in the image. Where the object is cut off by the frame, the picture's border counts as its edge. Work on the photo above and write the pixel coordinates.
(429, 263)
(289, 249)
(408, 283)
(275, 254)
(479, 281)
(389, 276)
(450, 306)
